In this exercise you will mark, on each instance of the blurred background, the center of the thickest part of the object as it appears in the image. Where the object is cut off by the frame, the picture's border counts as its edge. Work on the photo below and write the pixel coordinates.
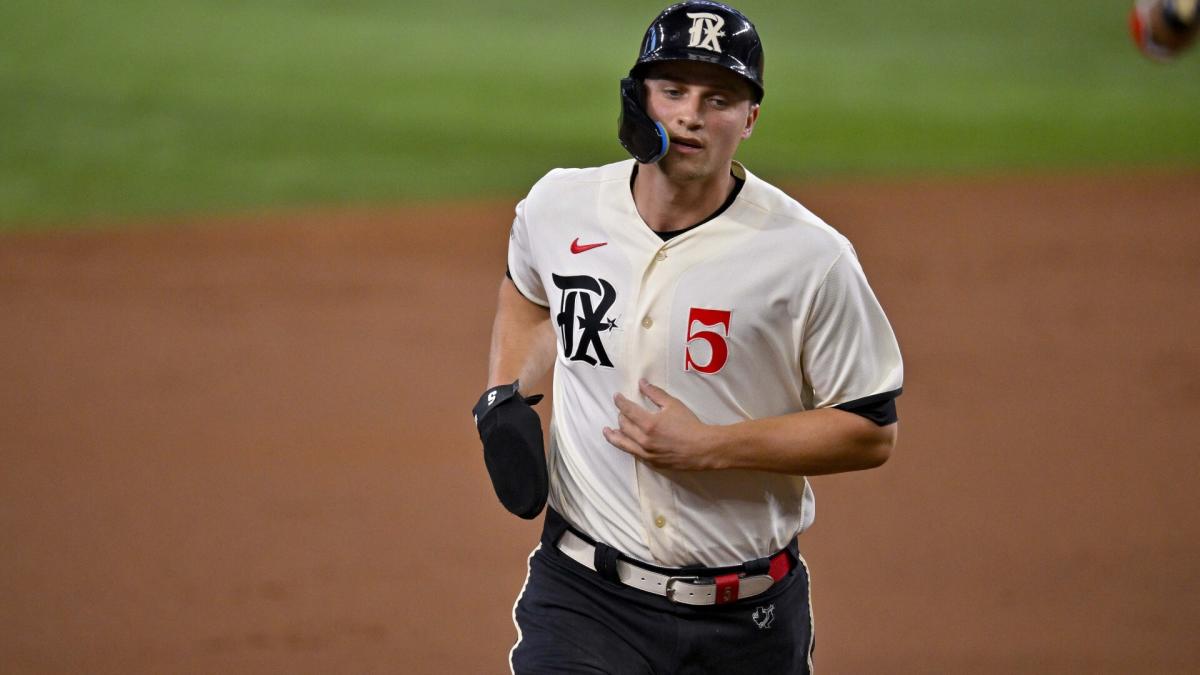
(132, 109)
(248, 260)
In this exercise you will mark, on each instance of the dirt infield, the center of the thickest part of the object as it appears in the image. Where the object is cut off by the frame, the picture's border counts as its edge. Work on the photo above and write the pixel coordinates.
(246, 447)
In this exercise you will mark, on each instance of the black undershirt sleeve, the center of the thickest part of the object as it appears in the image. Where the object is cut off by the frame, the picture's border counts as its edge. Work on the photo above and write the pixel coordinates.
(879, 408)
(508, 273)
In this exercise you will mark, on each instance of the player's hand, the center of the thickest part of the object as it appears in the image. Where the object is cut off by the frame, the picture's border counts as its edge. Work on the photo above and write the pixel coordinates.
(671, 437)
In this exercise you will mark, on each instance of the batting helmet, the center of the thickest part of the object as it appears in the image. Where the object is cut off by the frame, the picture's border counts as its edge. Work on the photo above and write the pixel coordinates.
(697, 30)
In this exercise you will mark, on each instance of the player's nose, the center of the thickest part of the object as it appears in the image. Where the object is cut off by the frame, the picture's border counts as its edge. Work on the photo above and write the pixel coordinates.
(689, 114)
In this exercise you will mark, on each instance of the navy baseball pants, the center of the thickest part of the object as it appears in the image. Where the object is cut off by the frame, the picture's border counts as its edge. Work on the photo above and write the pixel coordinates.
(571, 620)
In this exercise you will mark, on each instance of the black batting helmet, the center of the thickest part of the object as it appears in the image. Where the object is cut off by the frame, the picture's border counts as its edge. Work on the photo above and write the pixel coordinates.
(709, 32)
(697, 30)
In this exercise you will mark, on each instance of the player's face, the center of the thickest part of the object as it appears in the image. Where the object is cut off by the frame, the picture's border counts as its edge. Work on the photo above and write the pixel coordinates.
(707, 111)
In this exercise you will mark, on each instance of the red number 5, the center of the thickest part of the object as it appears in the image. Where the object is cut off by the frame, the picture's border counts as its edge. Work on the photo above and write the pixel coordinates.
(716, 341)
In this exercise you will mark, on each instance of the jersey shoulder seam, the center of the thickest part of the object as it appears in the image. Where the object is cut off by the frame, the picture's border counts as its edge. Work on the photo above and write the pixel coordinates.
(806, 218)
(821, 286)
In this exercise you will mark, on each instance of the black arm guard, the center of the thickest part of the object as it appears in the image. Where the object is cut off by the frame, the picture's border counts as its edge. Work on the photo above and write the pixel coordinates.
(512, 449)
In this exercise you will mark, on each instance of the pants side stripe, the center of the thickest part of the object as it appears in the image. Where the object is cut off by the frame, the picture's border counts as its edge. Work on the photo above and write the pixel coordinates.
(516, 602)
(812, 628)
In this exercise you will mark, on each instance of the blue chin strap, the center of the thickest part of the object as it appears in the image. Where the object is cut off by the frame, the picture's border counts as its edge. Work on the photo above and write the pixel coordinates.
(644, 138)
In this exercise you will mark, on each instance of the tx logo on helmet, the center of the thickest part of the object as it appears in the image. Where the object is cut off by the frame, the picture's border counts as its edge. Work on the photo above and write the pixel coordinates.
(705, 30)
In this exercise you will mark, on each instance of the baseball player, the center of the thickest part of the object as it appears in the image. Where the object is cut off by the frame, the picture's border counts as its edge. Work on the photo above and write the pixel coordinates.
(713, 343)
(1163, 29)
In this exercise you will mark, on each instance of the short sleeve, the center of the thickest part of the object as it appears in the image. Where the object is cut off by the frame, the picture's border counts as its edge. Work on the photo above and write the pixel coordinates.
(521, 267)
(849, 352)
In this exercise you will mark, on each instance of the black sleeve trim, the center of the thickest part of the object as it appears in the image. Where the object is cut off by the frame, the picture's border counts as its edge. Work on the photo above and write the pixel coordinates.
(508, 273)
(879, 408)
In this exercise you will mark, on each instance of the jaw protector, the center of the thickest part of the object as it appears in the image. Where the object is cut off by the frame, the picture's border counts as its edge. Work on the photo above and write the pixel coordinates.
(644, 138)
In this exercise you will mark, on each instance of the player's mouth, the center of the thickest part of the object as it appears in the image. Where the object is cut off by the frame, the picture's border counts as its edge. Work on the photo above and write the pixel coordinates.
(686, 146)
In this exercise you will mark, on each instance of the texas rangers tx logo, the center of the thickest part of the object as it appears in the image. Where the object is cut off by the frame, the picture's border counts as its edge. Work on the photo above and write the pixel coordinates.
(705, 30)
(764, 616)
(583, 316)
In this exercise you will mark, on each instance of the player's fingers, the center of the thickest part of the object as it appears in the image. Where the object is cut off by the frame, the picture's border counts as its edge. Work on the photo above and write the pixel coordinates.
(657, 395)
(623, 442)
(633, 411)
(632, 430)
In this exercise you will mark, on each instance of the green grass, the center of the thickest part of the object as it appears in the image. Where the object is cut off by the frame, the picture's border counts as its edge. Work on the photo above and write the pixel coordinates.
(138, 108)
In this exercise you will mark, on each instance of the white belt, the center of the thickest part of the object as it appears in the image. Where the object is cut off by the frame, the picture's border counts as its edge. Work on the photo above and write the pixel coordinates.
(686, 590)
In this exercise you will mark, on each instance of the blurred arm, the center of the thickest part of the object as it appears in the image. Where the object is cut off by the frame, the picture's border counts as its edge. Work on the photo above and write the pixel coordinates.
(522, 339)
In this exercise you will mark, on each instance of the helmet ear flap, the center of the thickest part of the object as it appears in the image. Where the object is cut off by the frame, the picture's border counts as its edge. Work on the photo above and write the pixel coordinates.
(644, 138)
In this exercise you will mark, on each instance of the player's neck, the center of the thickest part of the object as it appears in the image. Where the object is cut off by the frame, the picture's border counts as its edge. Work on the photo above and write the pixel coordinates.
(667, 204)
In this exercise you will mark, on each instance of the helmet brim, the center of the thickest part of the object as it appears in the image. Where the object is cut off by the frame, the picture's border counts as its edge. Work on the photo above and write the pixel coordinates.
(723, 61)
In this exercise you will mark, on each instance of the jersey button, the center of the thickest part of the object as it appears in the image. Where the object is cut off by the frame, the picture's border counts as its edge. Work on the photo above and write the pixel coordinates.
(660, 256)
(660, 522)
(647, 322)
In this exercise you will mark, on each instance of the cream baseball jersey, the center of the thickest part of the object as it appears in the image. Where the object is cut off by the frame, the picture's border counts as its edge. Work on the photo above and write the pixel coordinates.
(761, 311)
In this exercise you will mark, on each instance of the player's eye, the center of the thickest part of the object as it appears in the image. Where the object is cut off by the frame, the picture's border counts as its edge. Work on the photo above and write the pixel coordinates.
(718, 102)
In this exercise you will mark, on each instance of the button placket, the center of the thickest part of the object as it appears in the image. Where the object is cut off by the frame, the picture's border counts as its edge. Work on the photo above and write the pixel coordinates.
(659, 256)
(657, 498)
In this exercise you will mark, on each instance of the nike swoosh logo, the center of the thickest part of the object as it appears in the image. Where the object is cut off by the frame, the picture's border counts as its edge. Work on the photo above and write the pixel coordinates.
(577, 248)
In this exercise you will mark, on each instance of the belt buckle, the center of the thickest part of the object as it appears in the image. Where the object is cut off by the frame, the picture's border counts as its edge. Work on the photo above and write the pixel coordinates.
(670, 587)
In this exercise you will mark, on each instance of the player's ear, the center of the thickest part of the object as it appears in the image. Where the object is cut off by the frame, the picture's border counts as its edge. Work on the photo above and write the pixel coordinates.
(751, 118)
